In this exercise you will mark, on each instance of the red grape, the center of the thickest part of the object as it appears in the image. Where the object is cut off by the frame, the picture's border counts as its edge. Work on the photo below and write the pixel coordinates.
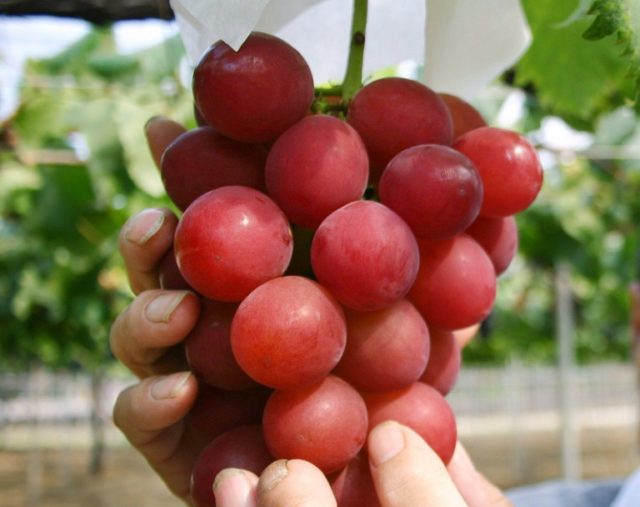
(241, 447)
(509, 167)
(216, 410)
(169, 276)
(393, 114)
(498, 237)
(325, 424)
(231, 240)
(423, 409)
(315, 167)
(456, 283)
(201, 159)
(435, 189)
(386, 350)
(288, 333)
(353, 487)
(256, 93)
(464, 116)
(366, 255)
(208, 347)
(444, 361)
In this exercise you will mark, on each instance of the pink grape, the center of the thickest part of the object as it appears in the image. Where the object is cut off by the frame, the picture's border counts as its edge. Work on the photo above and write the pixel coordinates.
(509, 167)
(256, 93)
(241, 447)
(325, 423)
(498, 237)
(315, 167)
(435, 189)
(217, 410)
(230, 241)
(201, 159)
(288, 333)
(366, 255)
(208, 347)
(444, 362)
(456, 283)
(386, 350)
(464, 116)
(423, 409)
(393, 114)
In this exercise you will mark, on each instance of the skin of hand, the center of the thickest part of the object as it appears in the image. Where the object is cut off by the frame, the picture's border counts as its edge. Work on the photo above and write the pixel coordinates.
(147, 338)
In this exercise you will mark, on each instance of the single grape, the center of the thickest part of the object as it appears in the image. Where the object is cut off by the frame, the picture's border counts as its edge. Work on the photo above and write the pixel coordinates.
(435, 189)
(325, 423)
(169, 276)
(208, 347)
(421, 408)
(456, 283)
(230, 241)
(393, 114)
(288, 333)
(366, 255)
(386, 350)
(464, 116)
(241, 447)
(315, 167)
(201, 159)
(353, 486)
(444, 362)
(498, 237)
(509, 167)
(254, 94)
(216, 410)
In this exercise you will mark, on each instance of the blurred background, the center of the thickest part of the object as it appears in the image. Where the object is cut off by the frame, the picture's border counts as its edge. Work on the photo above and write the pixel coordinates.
(549, 389)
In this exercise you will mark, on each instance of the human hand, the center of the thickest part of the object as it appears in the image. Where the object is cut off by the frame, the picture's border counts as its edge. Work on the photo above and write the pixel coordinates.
(404, 469)
(147, 338)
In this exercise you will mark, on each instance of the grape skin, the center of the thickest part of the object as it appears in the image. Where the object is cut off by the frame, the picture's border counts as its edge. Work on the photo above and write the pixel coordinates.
(255, 94)
(366, 255)
(435, 189)
(201, 160)
(315, 167)
(230, 241)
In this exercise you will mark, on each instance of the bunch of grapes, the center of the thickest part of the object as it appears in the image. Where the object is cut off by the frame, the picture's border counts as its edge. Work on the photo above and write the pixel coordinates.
(335, 255)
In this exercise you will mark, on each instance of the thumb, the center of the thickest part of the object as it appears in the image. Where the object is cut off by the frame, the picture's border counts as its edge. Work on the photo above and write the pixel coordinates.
(406, 471)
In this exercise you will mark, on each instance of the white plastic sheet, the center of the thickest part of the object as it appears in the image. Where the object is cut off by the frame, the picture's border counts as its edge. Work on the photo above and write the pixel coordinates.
(464, 44)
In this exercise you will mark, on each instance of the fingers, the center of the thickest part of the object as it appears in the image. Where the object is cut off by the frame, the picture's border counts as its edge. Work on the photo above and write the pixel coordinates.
(150, 414)
(406, 472)
(294, 483)
(473, 486)
(145, 336)
(234, 487)
(143, 241)
(161, 132)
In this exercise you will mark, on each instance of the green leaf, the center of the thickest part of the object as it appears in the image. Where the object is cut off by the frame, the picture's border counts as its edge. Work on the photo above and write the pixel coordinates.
(620, 17)
(573, 77)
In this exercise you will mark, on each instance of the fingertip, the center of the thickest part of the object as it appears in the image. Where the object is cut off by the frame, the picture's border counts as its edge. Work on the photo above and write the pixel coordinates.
(294, 482)
(234, 487)
(161, 132)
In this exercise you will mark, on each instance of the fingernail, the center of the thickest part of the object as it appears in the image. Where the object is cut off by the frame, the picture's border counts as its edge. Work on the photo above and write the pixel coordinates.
(232, 487)
(160, 309)
(385, 442)
(144, 226)
(168, 387)
(273, 475)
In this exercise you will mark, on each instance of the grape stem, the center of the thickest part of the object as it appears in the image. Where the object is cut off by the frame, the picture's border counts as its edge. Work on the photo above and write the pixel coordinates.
(353, 77)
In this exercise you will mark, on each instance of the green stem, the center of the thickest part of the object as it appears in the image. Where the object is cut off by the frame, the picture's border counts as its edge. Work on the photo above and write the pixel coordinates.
(353, 77)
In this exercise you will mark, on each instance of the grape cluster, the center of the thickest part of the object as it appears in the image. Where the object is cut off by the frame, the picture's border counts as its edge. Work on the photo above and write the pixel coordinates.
(335, 255)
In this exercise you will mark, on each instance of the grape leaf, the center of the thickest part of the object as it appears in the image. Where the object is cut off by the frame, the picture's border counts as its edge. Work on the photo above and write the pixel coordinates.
(622, 18)
(573, 77)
